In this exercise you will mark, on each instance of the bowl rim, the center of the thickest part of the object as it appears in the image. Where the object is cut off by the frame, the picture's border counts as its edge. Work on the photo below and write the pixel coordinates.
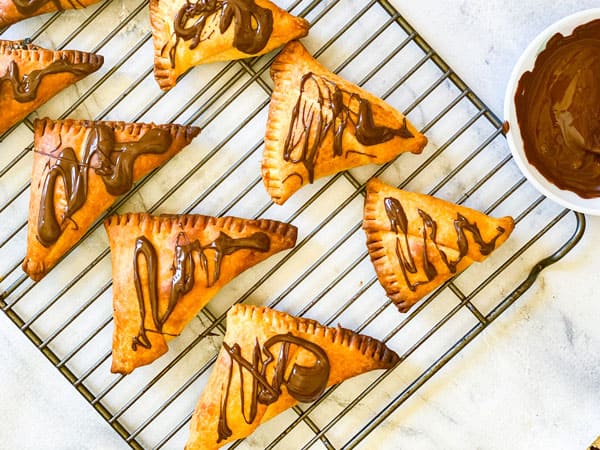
(526, 61)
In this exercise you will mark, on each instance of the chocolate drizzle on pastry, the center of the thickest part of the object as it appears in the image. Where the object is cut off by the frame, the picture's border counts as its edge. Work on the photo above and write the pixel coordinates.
(25, 87)
(29, 7)
(327, 108)
(399, 225)
(303, 383)
(253, 25)
(183, 272)
(558, 111)
(114, 163)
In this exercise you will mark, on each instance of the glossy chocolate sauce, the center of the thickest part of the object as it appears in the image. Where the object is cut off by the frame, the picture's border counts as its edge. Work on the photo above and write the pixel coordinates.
(253, 25)
(115, 162)
(25, 87)
(335, 109)
(399, 225)
(304, 383)
(183, 273)
(143, 247)
(558, 110)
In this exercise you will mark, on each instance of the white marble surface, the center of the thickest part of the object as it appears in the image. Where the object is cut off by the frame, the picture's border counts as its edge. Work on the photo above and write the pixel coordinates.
(530, 381)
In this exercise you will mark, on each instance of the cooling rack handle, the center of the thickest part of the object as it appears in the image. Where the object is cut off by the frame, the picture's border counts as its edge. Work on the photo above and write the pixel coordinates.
(541, 265)
(470, 335)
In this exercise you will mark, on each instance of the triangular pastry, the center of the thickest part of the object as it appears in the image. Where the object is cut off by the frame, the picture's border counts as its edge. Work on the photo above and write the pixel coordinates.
(79, 169)
(188, 33)
(320, 124)
(31, 75)
(417, 242)
(270, 361)
(12, 11)
(166, 268)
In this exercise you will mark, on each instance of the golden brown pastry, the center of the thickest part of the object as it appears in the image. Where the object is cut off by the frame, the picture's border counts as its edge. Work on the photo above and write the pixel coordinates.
(165, 269)
(417, 242)
(188, 33)
(31, 75)
(12, 11)
(320, 124)
(595, 445)
(79, 169)
(270, 361)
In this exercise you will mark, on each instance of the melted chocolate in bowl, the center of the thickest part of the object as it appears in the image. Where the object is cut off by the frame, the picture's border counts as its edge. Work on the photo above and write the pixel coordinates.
(558, 111)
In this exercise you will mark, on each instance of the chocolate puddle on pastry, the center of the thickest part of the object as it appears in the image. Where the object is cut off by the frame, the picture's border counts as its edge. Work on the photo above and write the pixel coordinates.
(304, 383)
(183, 273)
(399, 225)
(25, 88)
(334, 110)
(558, 110)
(115, 162)
(253, 25)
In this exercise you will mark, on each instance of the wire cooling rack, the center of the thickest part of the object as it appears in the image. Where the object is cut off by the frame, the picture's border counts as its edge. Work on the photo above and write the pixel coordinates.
(327, 276)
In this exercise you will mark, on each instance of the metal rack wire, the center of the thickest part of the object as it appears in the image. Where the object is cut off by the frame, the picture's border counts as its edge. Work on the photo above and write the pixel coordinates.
(327, 276)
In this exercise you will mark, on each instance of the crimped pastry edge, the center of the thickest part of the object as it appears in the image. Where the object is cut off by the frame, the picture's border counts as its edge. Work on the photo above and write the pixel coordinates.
(366, 345)
(165, 223)
(376, 250)
(47, 125)
(281, 72)
(164, 74)
(33, 52)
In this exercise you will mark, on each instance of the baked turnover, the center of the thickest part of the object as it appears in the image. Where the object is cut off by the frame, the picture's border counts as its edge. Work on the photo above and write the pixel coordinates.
(80, 168)
(31, 75)
(188, 33)
(269, 361)
(320, 124)
(165, 269)
(417, 242)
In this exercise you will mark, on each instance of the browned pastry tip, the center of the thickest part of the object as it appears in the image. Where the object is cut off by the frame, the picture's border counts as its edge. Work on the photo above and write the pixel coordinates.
(595, 445)
(167, 268)
(269, 361)
(320, 124)
(417, 242)
(80, 168)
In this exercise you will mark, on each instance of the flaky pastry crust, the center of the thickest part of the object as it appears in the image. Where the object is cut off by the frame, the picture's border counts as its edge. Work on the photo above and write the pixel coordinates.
(20, 60)
(316, 357)
(194, 257)
(68, 162)
(174, 55)
(417, 242)
(320, 124)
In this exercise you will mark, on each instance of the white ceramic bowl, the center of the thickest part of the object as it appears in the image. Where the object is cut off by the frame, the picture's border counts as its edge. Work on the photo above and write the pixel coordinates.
(526, 62)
